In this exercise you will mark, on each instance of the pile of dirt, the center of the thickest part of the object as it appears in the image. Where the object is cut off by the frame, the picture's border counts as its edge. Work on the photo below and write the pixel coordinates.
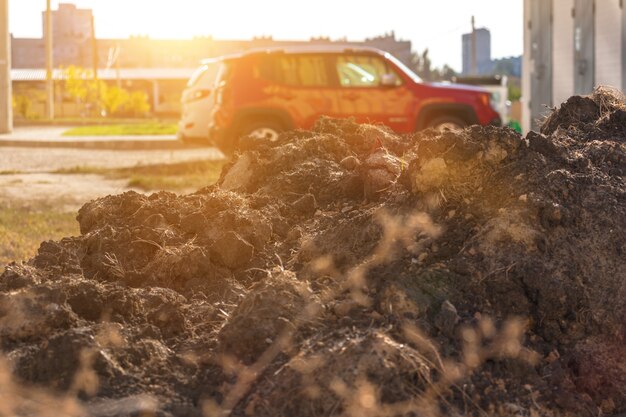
(347, 271)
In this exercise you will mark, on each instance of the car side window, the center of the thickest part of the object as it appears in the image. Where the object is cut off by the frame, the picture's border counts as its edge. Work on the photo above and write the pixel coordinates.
(362, 71)
(313, 71)
(296, 70)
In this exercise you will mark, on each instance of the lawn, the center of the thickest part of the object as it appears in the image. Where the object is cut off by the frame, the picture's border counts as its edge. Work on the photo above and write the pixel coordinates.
(22, 229)
(131, 129)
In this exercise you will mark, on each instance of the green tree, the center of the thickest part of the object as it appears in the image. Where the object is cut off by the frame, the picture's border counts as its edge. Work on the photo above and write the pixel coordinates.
(22, 105)
(96, 97)
(76, 82)
(114, 99)
(88, 92)
(422, 65)
(23, 100)
(138, 104)
(515, 92)
(446, 73)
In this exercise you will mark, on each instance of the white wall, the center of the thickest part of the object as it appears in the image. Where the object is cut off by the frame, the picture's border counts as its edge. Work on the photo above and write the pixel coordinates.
(563, 51)
(608, 62)
(610, 40)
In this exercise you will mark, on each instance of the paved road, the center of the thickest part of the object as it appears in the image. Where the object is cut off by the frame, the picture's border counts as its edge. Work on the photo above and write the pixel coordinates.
(52, 159)
(65, 193)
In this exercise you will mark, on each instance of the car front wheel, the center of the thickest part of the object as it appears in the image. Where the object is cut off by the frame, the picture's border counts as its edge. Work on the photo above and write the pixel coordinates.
(444, 123)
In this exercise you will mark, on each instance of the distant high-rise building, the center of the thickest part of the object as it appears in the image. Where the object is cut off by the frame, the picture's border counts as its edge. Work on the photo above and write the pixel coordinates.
(483, 53)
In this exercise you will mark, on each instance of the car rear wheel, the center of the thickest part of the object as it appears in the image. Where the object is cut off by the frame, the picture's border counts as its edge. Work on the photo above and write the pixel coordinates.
(444, 123)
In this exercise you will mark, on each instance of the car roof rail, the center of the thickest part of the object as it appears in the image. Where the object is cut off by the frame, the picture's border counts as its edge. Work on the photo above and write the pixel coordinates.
(299, 49)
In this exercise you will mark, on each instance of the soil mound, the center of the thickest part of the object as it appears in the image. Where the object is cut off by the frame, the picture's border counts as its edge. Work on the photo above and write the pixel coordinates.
(347, 271)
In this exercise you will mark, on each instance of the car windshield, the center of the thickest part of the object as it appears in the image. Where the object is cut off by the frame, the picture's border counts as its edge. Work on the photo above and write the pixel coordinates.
(403, 68)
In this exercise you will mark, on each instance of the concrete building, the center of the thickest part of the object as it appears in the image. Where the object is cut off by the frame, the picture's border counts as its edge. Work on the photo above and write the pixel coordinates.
(159, 67)
(145, 63)
(143, 52)
(484, 64)
(71, 36)
(570, 47)
(72, 28)
(69, 22)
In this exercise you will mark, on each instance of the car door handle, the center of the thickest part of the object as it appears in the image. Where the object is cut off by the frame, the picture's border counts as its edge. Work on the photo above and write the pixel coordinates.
(350, 96)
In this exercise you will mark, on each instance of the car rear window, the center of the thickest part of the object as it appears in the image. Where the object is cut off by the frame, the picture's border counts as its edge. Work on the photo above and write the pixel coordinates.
(295, 70)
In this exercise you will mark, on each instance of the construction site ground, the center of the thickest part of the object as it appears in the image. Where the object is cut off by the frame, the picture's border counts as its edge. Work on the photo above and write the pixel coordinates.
(343, 271)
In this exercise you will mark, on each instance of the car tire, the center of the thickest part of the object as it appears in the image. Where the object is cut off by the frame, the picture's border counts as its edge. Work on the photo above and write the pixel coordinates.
(443, 123)
(254, 132)
(267, 130)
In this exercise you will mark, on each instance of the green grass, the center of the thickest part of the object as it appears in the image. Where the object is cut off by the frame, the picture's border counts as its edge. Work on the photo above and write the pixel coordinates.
(133, 129)
(22, 229)
(183, 176)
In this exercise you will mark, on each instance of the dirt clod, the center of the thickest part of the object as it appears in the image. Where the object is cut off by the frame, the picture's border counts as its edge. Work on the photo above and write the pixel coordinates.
(232, 250)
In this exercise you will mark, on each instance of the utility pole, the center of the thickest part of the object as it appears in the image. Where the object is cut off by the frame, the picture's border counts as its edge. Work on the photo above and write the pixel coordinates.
(6, 102)
(94, 57)
(94, 49)
(117, 66)
(474, 64)
(49, 57)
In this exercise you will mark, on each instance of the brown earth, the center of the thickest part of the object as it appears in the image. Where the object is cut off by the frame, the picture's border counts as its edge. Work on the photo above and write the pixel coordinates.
(347, 271)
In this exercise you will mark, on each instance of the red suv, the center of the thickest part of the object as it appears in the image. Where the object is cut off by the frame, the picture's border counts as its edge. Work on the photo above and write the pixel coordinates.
(261, 93)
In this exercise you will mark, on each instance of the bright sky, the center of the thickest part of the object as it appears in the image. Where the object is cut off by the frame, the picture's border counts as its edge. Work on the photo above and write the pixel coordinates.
(434, 24)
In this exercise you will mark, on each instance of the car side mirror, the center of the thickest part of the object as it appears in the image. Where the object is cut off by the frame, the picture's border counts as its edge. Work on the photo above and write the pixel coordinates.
(389, 80)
